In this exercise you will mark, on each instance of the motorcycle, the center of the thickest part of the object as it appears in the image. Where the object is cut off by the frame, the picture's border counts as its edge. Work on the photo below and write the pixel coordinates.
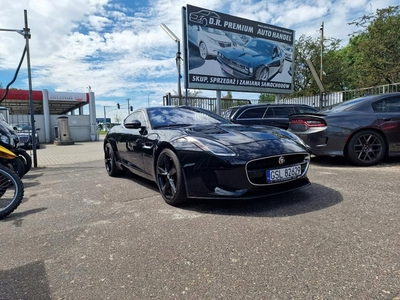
(11, 186)
(22, 163)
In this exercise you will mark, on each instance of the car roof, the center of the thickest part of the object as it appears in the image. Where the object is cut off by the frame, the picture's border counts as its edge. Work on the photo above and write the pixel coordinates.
(269, 105)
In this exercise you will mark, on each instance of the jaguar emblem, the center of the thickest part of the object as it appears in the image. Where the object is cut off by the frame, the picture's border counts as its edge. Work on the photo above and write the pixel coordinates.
(281, 160)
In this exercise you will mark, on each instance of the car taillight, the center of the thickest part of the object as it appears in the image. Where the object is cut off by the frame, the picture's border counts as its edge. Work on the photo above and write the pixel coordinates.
(309, 122)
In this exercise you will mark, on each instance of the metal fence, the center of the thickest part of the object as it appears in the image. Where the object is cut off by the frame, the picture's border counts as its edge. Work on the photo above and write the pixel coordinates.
(329, 99)
(203, 102)
(324, 100)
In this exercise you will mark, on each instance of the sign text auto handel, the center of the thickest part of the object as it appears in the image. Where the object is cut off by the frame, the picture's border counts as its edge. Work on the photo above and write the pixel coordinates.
(239, 82)
(252, 28)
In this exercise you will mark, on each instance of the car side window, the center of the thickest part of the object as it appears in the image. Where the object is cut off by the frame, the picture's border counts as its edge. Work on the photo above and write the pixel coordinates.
(269, 113)
(136, 116)
(283, 112)
(305, 109)
(391, 104)
(252, 113)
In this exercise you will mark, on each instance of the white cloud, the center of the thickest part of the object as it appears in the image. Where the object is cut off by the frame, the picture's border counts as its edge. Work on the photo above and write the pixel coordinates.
(121, 51)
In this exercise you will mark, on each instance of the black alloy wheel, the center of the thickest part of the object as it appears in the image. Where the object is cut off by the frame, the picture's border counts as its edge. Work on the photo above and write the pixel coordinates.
(110, 163)
(169, 178)
(366, 148)
(262, 74)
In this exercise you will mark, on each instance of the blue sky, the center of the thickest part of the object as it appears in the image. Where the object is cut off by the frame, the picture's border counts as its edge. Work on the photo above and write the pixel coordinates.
(119, 49)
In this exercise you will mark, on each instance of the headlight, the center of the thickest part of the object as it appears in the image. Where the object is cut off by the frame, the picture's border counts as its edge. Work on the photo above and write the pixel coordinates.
(212, 40)
(210, 146)
(6, 140)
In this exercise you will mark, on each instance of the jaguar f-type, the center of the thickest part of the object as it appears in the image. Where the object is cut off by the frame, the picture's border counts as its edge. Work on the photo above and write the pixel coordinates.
(194, 153)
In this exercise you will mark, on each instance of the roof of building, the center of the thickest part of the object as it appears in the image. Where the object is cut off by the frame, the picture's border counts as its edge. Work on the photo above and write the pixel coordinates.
(18, 103)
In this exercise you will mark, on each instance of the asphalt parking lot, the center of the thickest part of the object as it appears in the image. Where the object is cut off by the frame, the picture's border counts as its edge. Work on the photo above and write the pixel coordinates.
(80, 234)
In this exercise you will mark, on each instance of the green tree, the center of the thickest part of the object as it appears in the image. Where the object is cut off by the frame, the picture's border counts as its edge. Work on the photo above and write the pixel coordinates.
(266, 98)
(227, 96)
(373, 54)
(332, 65)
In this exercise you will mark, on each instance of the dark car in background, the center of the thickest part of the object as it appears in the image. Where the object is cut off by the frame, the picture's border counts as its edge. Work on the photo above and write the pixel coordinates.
(266, 114)
(364, 130)
(24, 133)
(193, 153)
(258, 59)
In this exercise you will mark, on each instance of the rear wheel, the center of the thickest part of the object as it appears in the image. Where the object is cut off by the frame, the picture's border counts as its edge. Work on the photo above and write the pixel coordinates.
(11, 191)
(366, 148)
(170, 178)
(109, 161)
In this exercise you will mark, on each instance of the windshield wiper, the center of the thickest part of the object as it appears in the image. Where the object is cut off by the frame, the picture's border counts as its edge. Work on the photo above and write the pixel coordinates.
(172, 125)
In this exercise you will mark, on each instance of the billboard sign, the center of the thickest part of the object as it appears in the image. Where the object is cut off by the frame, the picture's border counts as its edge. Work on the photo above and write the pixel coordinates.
(228, 53)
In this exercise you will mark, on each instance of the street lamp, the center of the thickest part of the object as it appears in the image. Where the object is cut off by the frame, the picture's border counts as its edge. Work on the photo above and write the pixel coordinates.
(26, 33)
(148, 98)
(128, 99)
(177, 58)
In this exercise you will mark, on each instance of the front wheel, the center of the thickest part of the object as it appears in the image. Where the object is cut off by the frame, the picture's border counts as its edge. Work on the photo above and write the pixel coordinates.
(262, 74)
(203, 50)
(170, 178)
(11, 191)
(110, 162)
(16, 164)
(366, 148)
(26, 158)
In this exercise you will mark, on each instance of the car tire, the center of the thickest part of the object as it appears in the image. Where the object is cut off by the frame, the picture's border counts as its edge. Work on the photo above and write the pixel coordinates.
(203, 51)
(110, 162)
(17, 165)
(170, 179)
(26, 158)
(366, 148)
(262, 74)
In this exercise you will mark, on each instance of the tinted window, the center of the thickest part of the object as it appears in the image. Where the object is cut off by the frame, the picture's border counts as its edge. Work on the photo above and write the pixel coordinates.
(282, 112)
(306, 109)
(347, 105)
(138, 115)
(387, 105)
(269, 113)
(253, 113)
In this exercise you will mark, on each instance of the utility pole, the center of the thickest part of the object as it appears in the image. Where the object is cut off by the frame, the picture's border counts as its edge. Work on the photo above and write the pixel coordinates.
(321, 71)
(321, 29)
(128, 105)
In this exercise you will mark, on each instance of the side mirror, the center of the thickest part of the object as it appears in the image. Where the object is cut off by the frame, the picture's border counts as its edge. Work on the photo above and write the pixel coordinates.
(135, 124)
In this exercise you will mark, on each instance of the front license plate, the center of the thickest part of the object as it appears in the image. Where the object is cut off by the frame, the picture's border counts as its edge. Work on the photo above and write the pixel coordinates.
(283, 174)
(227, 69)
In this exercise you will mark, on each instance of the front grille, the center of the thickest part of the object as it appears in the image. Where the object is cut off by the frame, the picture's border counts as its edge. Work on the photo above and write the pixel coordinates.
(233, 64)
(256, 169)
(224, 44)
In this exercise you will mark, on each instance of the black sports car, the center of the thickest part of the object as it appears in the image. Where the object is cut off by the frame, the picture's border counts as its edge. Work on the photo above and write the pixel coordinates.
(259, 59)
(363, 130)
(193, 153)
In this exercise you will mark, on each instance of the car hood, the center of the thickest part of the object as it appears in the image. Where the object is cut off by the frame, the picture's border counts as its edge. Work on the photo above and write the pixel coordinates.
(243, 54)
(232, 134)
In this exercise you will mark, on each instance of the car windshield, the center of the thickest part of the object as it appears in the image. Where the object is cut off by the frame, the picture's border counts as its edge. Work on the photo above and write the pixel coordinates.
(260, 46)
(212, 30)
(182, 116)
(21, 127)
(347, 105)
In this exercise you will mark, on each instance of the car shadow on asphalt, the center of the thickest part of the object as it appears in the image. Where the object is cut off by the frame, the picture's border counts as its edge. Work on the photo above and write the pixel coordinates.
(328, 161)
(312, 198)
(308, 199)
